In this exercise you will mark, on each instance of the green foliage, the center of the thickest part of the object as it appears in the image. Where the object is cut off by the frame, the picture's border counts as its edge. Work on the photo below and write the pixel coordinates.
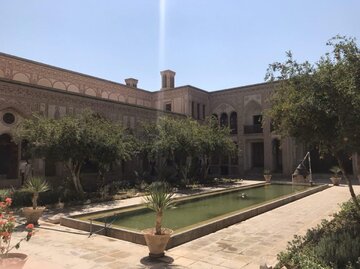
(336, 170)
(36, 185)
(333, 244)
(4, 193)
(23, 198)
(76, 139)
(319, 104)
(20, 198)
(184, 142)
(338, 249)
(159, 198)
(213, 140)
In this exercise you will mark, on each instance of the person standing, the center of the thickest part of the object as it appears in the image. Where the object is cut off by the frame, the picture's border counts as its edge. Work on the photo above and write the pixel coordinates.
(25, 171)
(22, 168)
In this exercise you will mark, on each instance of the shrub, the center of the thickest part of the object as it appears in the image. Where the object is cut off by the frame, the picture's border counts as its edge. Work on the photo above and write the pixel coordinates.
(20, 198)
(7, 227)
(4, 193)
(49, 197)
(333, 244)
(339, 249)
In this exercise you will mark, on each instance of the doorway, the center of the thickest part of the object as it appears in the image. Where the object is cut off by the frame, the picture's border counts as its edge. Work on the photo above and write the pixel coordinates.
(257, 154)
(8, 158)
(277, 155)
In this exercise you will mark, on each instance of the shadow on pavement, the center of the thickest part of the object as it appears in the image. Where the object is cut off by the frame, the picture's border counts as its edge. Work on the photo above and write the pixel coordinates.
(158, 263)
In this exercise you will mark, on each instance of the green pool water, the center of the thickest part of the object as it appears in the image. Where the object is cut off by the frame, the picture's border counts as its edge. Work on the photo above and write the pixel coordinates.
(193, 211)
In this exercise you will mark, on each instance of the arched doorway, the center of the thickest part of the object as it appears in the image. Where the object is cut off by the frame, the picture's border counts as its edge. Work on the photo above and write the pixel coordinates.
(8, 158)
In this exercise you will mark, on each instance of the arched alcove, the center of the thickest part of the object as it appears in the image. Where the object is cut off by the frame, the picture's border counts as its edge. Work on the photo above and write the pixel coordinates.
(8, 157)
(105, 95)
(90, 91)
(233, 122)
(224, 120)
(59, 85)
(113, 96)
(122, 98)
(73, 88)
(252, 109)
(224, 107)
(44, 82)
(21, 77)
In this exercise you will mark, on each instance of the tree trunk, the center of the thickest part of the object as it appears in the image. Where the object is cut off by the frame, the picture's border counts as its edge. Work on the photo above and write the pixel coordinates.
(357, 166)
(349, 183)
(207, 167)
(75, 176)
(185, 169)
(159, 216)
(204, 167)
(34, 200)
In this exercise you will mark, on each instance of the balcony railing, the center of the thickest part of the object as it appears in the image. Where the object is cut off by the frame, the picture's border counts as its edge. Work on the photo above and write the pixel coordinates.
(253, 129)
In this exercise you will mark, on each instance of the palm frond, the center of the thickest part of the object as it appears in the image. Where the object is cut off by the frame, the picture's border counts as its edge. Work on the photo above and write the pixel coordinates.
(160, 197)
(36, 185)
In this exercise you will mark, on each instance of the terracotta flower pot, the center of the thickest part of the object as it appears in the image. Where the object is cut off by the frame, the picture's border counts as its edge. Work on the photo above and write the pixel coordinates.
(267, 178)
(12, 260)
(157, 243)
(33, 215)
(335, 180)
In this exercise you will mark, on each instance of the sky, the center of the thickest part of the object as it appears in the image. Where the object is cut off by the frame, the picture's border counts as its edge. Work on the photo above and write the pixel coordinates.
(210, 44)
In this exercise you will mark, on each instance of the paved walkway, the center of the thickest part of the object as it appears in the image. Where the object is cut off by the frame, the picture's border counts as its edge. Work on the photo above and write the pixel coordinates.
(244, 245)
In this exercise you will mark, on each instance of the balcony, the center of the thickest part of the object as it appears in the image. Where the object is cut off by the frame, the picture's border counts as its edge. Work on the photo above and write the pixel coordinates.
(253, 129)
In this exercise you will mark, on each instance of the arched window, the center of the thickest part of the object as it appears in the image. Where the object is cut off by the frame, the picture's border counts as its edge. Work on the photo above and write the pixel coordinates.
(233, 122)
(224, 122)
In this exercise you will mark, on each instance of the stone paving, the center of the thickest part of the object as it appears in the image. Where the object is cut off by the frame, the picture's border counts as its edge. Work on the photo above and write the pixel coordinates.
(244, 245)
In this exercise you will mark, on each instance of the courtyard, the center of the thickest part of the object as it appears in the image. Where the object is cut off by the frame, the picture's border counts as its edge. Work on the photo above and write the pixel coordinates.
(244, 245)
(179, 134)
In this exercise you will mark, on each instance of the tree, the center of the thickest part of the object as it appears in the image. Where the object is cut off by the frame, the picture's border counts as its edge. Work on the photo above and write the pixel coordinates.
(213, 139)
(319, 104)
(183, 140)
(76, 139)
(173, 140)
(159, 198)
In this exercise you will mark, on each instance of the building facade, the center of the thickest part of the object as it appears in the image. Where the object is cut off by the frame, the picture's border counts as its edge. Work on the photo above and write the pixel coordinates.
(28, 87)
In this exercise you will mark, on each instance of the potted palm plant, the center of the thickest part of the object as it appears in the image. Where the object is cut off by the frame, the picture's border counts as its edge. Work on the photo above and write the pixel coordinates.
(35, 185)
(267, 175)
(336, 178)
(159, 198)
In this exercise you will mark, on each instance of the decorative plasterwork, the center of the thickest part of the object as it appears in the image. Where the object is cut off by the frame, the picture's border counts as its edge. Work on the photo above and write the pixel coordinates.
(254, 97)
(223, 108)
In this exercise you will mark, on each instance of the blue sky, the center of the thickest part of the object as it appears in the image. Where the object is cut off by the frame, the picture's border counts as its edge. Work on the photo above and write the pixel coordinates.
(210, 44)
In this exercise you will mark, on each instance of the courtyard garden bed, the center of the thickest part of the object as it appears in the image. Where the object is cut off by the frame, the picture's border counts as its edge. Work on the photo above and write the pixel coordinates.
(333, 244)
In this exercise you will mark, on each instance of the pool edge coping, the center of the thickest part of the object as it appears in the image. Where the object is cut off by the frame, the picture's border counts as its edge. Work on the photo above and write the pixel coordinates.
(193, 232)
(176, 199)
